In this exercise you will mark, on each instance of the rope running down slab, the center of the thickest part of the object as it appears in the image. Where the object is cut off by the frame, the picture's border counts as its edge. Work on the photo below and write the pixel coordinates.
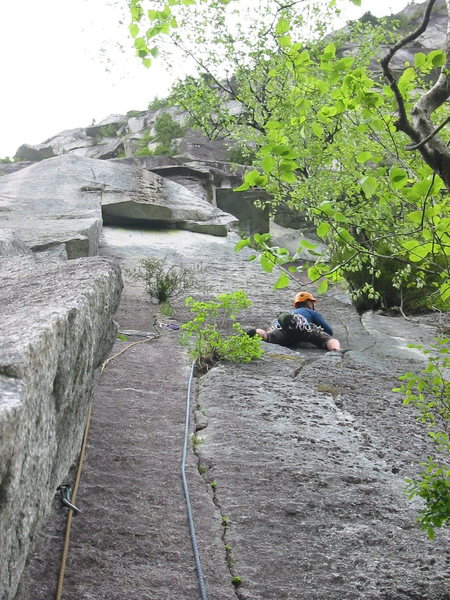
(198, 565)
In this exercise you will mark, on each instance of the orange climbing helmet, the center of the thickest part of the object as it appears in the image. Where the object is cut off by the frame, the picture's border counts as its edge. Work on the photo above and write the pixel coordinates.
(302, 297)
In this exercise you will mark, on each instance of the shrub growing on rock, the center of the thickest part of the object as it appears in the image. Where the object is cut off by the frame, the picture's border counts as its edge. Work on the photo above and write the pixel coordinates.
(429, 393)
(210, 328)
(163, 281)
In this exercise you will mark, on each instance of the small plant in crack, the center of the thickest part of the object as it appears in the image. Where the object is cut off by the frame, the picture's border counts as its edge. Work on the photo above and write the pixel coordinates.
(236, 581)
(196, 441)
(201, 470)
(225, 521)
(213, 484)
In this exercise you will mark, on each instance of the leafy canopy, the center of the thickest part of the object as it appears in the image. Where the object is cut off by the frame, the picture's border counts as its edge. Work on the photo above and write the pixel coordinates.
(324, 128)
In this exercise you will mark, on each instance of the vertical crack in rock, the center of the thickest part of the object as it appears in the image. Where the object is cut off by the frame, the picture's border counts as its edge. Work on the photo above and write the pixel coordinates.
(200, 424)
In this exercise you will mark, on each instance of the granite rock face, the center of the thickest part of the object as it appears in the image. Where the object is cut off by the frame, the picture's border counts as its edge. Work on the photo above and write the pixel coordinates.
(47, 208)
(56, 329)
(298, 485)
(59, 201)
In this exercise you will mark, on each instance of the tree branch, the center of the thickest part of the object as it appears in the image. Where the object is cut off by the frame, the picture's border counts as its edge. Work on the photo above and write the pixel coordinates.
(403, 123)
(428, 138)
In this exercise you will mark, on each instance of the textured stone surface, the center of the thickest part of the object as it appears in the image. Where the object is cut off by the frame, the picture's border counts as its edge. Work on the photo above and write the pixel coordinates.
(303, 458)
(11, 245)
(46, 206)
(56, 328)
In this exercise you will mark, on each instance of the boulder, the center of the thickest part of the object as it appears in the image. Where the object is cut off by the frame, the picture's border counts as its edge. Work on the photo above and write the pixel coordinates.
(56, 329)
(47, 205)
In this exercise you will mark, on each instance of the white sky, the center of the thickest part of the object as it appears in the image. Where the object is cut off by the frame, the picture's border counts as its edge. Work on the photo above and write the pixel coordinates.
(61, 66)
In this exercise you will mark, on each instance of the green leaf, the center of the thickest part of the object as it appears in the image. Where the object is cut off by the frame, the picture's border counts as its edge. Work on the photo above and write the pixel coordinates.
(437, 58)
(420, 60)
(323, 229)
(266, 263)
(444, 291)
(344, 64)
(282, 281)
(329, 52)
(326, 207)
(242, 188)
(284, 41)
(306, 244)
(288, 177)
(410, 244)
(314, 273)
(420, 252)
(356, 2)
(317, 129)
(134, 30)
(398, 177)
(283, 26)
(268, 163)
(323, 286)
(345, 235)
(363, 157)
(140, 44)
(369, 186)
(242, 244)
(252, 179)
(284, 151)
(415, 217)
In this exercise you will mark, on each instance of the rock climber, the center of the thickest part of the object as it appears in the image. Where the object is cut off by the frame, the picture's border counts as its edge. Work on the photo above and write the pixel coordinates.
(303, 324)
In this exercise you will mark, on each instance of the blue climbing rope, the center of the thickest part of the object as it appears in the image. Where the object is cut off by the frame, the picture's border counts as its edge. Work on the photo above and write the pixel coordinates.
(198, 565)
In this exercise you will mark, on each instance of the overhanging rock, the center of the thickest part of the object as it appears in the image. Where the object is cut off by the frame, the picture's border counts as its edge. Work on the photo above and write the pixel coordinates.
(56, 329)
(135, 195)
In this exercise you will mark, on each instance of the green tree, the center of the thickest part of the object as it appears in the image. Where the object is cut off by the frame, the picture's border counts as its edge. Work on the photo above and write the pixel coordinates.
(367, 161)
(167, 132)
